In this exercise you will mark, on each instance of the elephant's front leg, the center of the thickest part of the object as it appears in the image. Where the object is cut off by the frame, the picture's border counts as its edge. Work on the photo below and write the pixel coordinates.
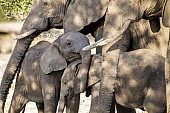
(94, 98)
(51, 92)
(50, 101)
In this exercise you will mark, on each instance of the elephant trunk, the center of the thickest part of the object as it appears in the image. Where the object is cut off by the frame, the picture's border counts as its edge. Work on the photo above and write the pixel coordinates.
(62, 104)
(108, 80)
(105, 100)
(83, 72)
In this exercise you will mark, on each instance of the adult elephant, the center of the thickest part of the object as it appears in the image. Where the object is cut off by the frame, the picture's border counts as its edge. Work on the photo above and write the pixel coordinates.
(80, 15)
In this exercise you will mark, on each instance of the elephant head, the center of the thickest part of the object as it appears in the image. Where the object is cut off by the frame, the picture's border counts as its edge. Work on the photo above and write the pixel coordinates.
(64, 50)
(70, 86)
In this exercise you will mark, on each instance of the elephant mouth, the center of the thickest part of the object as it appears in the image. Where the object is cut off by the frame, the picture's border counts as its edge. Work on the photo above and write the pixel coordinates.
(73, 57)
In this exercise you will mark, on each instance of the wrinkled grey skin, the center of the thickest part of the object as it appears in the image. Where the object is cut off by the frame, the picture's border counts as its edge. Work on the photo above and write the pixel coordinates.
(139, 84)
(76, 16)
(41, 70)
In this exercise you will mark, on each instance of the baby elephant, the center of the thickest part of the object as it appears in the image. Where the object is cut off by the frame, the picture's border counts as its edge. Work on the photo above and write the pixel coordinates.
(140, 82)
(32, 84)
(41, 70)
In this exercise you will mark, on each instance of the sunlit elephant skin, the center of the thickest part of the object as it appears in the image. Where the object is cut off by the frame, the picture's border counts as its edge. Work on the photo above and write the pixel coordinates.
(42, 68)
(78, 15)
(140, 82)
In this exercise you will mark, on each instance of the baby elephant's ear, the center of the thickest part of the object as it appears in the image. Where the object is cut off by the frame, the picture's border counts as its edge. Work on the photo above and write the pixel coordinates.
(52, 60)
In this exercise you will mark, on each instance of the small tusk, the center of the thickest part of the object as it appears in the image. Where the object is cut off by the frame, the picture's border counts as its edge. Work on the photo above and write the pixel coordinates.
(25, 34)
(114, 38)
(91, 46)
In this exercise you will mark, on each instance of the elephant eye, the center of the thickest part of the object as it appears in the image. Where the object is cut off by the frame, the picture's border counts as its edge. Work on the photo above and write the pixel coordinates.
(69, 43)
(65, 83)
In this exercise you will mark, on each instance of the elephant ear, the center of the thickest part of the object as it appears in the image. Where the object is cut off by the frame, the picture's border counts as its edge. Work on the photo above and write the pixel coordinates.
(77, 80)
(83, 12)
(52, 60)
(166, 14)
(93, 75)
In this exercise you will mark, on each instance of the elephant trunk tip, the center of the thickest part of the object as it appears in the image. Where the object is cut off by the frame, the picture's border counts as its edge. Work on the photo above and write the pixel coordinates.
(62, 104)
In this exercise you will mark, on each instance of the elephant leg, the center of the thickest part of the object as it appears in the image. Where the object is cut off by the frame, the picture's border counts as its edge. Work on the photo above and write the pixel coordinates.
(18, 103)
(51, 99)
(94, 98)
(40, 107)
(72, 105)
(50, 104)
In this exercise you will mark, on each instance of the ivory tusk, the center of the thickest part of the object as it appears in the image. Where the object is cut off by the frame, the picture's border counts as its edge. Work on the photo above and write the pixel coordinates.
(25, 34)
(114, 38)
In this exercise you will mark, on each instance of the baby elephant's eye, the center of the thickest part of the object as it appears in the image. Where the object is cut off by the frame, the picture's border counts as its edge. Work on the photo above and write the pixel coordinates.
(69, 43)
(65, 83)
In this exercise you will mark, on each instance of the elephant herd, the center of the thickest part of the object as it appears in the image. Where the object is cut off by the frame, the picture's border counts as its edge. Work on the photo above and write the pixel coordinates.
(130, 70)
